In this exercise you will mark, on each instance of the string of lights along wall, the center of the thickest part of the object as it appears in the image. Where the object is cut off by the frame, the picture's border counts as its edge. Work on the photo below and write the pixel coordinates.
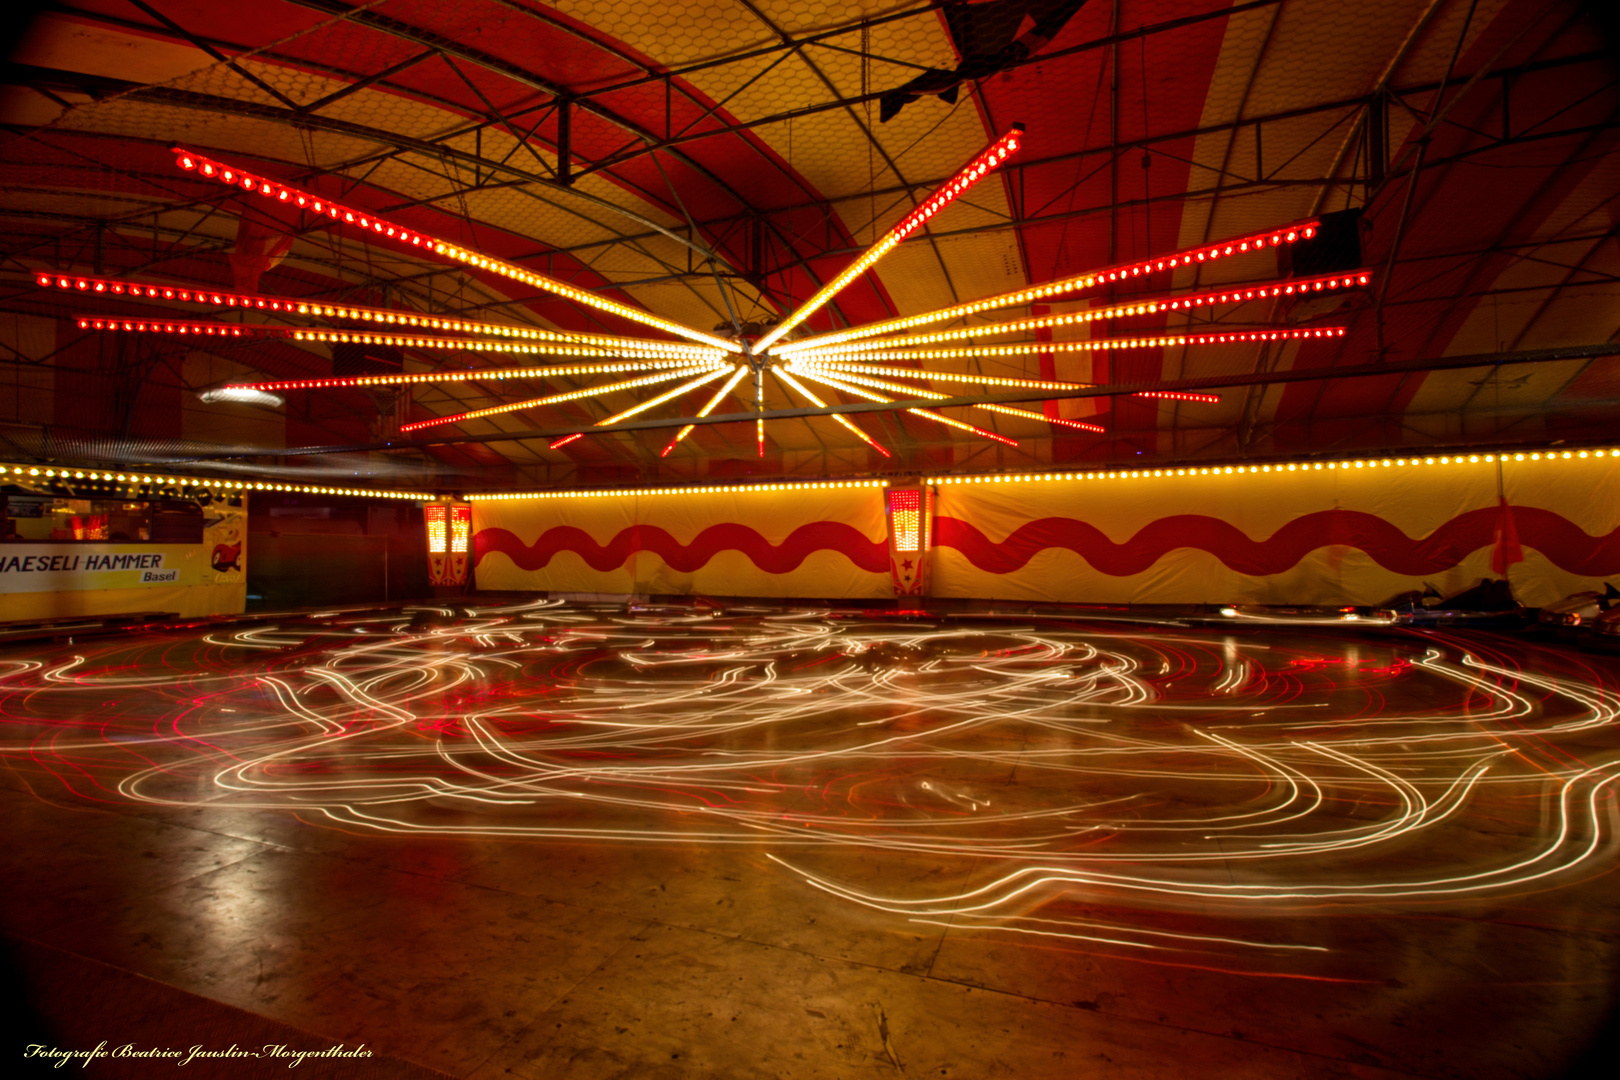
(904, 357)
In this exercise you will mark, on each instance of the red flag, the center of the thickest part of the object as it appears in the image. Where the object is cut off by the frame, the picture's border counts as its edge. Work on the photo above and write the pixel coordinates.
(1507, 550)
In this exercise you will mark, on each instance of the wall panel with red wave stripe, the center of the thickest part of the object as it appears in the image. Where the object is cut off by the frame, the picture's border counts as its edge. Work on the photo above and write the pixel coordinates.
(789, 541)
(1307, 535)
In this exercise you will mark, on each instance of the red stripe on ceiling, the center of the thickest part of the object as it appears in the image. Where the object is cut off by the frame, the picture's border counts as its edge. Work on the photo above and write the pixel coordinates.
(1513, 193)
(1163, 82)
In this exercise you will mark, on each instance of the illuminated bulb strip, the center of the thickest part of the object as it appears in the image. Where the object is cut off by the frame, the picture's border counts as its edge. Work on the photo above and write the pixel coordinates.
(182, 327)
(843, 364)
(628, 347)
(852, 376)
(685, 387)
(572, 395)
(1236, 246)
(1026, 349)
(1211, 298)
(636, 493)
(1273, 290)
(1178, 395)
(1078, 425)
(466, 376)
(558, 345)
(719, 396)
(801, 388)
(759, 406)
(971, 173)
(363, 337)
(1283, 468)
(422, 242)
(1104, 344)
(672, 348)
(899, 388)
(194, 483)
(94, 286)
(925, 414)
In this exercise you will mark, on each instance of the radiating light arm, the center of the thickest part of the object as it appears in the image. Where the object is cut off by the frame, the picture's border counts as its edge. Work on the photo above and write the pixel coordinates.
(1207, 298)
(600, 347)
(315, 309)
(759, 407)
(719, 396)
(1210, 252)
(421, 242)
(554, 399)
(474, 375)
(625, 347)
(924, 413)
(684, 388)
(898, 388)
(847, 370)
(981, 166)
(864, 374)
(1025, 414)
(843, 365)
(1225, 337)
(802, 389)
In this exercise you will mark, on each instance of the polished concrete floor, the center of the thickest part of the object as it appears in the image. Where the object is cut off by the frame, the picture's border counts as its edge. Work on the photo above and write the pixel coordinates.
(568, 841)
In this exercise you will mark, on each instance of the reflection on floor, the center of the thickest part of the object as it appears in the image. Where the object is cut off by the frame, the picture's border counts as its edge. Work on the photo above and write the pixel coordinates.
(546, 840)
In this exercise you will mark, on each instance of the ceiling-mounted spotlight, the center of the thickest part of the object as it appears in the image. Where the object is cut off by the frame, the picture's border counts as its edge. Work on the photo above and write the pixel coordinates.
(241, 395)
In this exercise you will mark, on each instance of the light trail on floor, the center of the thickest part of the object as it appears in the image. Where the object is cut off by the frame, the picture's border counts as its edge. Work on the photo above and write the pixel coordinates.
(1058, 764)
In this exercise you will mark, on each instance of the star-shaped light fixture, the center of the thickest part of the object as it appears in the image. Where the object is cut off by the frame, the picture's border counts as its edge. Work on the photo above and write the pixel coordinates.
(871, 361)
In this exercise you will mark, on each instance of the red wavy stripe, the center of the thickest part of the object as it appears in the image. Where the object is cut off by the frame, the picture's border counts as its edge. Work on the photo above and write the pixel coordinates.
(1560, 540)
(780, 558)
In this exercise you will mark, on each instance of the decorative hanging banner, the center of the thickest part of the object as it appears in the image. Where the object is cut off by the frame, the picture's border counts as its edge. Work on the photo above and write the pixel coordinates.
(817, 540)
(1302, 533)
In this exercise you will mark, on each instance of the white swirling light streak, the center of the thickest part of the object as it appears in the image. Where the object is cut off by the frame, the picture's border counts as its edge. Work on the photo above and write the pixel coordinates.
(1146, 766)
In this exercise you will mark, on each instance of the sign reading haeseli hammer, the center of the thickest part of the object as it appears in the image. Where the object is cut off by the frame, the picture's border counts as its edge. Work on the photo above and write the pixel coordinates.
(30, 568)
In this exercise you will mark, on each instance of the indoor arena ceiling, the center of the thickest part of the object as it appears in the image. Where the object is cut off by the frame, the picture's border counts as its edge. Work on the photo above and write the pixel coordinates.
(715, 163)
